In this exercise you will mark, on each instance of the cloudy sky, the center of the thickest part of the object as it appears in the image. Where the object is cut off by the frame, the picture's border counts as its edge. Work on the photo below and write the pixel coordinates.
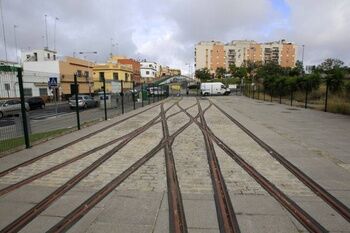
(167, 30)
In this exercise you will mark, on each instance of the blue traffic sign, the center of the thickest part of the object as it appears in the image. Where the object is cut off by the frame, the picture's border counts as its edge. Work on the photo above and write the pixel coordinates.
(52, 82)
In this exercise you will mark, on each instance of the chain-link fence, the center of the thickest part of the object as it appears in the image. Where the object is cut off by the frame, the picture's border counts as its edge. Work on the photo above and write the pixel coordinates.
(32, 111)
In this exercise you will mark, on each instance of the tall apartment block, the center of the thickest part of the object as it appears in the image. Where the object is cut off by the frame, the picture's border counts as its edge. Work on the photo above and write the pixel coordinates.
(214, 54)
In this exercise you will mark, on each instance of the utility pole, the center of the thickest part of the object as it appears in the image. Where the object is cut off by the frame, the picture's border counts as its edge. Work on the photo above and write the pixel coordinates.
(54, 35)
(14, 31)
(3, 29)
(47, 38)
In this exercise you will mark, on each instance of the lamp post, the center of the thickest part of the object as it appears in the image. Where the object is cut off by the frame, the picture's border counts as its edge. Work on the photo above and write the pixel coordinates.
(14, 31)
(89, 80)
(54, 35)
(3, 29)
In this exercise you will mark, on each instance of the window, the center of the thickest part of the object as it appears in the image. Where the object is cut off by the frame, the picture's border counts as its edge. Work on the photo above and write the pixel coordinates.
(28, 91)
(35, 57)
(101, 76)
(43, 91)
(79, 73)
(7, 86)
(115, 76)
(147, 72)
(126, 76)
(86, 74)
(48, 56)
(54, 57)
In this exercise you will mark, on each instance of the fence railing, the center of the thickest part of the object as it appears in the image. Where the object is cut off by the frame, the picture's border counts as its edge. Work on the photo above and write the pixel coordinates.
(320, 98)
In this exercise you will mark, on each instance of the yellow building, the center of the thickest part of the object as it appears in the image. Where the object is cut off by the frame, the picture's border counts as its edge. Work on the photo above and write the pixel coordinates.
(69, 66)
(112, 71)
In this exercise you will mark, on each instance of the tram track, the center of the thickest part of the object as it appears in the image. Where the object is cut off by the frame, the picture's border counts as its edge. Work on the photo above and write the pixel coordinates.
(175, 225)
(72, 160)
(303, 217)
(317, 189)
(33, 160)
(32, 213)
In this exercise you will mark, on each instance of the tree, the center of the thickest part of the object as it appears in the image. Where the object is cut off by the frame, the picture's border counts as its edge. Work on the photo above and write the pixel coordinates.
(330, 64)
(220, 72)
(203, 74)
(298, 69)
(335, 80)
(241, 72)
(232, 69)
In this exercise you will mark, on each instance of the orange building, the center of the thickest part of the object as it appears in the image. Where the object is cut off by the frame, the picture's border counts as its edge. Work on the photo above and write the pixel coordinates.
(218, 57)
(135, 68)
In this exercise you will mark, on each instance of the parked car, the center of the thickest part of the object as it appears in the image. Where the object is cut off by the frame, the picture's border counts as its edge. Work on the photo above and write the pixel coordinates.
(36, 102)
(11, 107)
(84, 101)
(216, 88)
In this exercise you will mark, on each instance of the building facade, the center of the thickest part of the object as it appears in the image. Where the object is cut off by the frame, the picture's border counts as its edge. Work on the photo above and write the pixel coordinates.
(136, 76)
(149, 71)
(214, 54)
(112, 72)
(40, 65)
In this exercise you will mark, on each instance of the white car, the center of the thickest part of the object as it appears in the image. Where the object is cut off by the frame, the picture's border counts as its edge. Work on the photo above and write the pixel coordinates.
(11, 107)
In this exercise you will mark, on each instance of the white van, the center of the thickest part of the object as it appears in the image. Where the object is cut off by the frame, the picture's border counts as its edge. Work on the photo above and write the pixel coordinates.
(216, 88)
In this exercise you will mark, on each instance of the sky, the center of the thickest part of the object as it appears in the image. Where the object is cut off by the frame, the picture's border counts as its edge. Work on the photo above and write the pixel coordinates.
(166, 31)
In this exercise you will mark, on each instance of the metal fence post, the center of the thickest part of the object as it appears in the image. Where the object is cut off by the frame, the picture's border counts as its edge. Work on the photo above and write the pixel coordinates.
(264, 93)
(76, 89)
(326, 100)
(142, 94)
(133, 94)
(271, 93)
(104, 97)
(258, 92)
(291, 97)
(23, 107)
(153, 92)
(122, 95)
(306, 93)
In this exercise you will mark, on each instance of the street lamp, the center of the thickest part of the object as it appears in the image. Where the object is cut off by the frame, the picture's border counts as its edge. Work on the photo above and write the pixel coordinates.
(14, 30)
(89, 81)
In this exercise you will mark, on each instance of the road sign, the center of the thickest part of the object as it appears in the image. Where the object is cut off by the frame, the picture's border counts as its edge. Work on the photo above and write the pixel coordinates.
(52, 82)
(116, 87)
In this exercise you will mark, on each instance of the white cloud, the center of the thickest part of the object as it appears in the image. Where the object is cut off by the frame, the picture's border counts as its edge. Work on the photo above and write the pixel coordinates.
(166, 31)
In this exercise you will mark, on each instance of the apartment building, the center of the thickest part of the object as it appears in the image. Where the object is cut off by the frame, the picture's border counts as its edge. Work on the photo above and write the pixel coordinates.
(149, 70)
(214, 54)
(112, 72)
(41, 64)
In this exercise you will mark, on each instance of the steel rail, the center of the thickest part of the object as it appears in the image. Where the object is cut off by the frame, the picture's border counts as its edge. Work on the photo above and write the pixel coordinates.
(29, 215)
(74, 216)
(177, 219)
(303, 217)
(337, 205)
(226, 216)
(67, 162)
(30, 161)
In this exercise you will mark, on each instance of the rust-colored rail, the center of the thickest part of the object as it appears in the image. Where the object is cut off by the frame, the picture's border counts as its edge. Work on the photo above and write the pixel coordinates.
(28, 216)
(337, 205)
(70, 161)
(177, 219)
(304, 218)
(28, 162)
(69, 220)
(226, 216)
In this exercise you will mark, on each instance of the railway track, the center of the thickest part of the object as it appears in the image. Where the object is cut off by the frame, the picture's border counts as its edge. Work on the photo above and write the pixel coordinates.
(333, 202)
(176, 225)
(177, 219)
(33, 160)
(32, 213)
(226, 215)
(304, 218)
(74, 159)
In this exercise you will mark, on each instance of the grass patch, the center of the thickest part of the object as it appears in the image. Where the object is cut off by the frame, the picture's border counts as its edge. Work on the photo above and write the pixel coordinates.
(12, 143)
